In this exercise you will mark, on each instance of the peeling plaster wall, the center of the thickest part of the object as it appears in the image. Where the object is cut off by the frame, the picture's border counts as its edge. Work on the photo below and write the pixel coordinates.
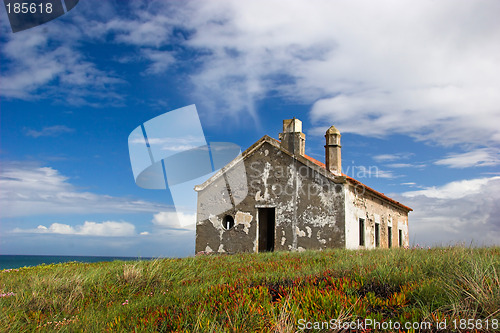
(309, 208)
(360, 203)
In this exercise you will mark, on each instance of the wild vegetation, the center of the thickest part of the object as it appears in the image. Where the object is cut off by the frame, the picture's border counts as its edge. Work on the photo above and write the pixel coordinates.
(269, 292)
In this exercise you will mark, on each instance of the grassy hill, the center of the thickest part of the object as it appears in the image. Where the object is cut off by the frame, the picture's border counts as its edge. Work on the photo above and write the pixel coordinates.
(270, 292)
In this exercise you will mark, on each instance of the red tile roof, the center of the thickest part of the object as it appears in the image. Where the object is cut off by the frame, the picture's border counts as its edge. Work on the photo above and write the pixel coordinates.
(357, 182)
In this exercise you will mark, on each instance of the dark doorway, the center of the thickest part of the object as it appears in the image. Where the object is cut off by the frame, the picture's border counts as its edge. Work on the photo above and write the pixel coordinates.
(266, 229)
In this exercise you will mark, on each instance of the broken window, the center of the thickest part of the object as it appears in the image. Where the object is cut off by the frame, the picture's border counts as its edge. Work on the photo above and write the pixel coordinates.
(228, 222)
(400, 238)
(377, 234)
(361, 232)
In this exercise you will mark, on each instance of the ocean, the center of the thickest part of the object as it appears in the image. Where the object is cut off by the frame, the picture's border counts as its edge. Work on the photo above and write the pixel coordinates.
(17, 261)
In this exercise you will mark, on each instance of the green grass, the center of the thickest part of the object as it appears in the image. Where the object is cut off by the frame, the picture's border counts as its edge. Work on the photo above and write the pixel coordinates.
(267, 292)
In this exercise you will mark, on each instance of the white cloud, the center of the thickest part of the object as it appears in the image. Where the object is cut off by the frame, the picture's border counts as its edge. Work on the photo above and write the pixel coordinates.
(426, 69)
(405, 165)
(391, 157)
(49, 131)
(386, 174)
(429, 71)
(175, 144)
(27, 190)
(384, 158)
(151, 25)
(161, 61)
(108, 228)
(454, 190)
(167, 243)
(46, 63)
(361, 171)
(475, 158)
(175, 220)
(461, 211)
(105, 229)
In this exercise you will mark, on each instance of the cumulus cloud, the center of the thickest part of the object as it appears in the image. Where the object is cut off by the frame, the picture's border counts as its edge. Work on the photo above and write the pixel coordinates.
(105, 229)
(461, 211)
(46, 63)
(160, 61)
(454, 190)
(175, 220)
(27, 190)
(475, 158)
(429, 71)
(147, 24)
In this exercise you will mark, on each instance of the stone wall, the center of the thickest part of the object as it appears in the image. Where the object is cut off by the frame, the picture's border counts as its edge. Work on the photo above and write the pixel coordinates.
(309, 207)
(362, 203)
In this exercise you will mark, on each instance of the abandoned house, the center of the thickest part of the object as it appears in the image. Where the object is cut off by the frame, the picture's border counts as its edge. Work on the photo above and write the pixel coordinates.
(273, 197)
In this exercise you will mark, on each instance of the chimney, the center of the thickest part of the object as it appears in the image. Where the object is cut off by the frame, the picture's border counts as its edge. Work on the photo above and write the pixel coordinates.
(332, 151)
(292, 138)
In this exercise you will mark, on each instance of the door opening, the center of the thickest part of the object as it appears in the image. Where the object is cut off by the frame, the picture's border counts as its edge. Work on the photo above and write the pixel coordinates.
(266, 229)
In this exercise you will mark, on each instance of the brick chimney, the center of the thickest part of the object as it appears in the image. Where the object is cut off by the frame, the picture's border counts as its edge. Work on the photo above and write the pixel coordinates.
(332, 151)
(292, 138)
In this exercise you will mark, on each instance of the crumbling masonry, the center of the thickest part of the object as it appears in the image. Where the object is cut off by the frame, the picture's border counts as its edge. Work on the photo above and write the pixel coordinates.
(275, 198)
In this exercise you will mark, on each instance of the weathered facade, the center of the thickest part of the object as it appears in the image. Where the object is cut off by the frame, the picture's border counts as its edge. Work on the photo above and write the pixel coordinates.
(274, 197)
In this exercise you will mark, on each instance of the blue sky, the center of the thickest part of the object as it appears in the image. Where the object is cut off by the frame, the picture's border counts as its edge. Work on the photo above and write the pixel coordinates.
(413, 87)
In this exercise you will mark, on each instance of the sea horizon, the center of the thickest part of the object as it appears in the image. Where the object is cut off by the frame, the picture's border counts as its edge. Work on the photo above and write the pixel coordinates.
(14, 261)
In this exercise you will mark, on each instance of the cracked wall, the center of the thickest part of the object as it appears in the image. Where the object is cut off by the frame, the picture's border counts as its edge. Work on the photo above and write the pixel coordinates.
(361, 203)
(309, 207)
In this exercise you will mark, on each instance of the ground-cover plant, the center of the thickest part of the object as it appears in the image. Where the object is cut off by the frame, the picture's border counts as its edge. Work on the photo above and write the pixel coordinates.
(268, 292)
